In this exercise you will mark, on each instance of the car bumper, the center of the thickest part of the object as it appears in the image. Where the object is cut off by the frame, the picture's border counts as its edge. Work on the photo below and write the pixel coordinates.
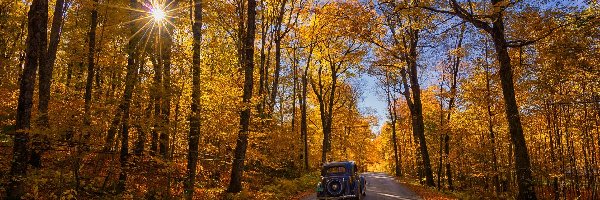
(339, 197)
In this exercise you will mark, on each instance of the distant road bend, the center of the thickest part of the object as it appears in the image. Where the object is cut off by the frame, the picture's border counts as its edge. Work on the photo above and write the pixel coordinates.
(382, 186)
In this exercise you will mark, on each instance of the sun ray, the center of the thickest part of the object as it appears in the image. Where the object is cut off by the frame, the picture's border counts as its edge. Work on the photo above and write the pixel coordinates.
(178, 9)
(130, 21)
(148, 38)
(124, 8)
(169, 23)
(169, 4)
(138, 31)
(141, 39)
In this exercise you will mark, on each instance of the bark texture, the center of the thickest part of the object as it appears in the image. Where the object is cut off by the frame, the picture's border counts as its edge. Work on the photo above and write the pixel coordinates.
(35, 52)
(194, 134)
(130, 81)
(39, 141)
(237, 169)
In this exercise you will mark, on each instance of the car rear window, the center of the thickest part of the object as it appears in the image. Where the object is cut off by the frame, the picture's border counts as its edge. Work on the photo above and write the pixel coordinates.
(336, 170)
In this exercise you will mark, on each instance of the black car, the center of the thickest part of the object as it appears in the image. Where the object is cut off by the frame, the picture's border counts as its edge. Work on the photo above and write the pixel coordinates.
(341, 180)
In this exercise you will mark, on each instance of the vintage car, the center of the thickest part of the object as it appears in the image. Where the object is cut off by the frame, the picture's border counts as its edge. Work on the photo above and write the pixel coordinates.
(341, 180)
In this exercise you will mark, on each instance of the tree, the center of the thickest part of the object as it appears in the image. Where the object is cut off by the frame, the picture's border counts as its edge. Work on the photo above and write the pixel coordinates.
(390, 88)
(194, 134)
(501, 45)
(46, 67)
(237, 169)
(279, 34)
(337, 51)
(134, 61)
(402, 45)
(454, 65)
(35, 53)
(91, 62)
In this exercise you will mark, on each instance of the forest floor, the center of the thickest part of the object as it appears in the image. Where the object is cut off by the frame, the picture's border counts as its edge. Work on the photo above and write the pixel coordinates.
(427, 193)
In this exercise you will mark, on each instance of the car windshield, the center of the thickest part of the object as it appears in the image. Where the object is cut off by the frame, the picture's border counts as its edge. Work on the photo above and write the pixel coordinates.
(336, 170)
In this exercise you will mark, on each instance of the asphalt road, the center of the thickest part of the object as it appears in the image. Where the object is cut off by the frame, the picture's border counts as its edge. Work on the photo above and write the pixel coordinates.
(382, 186)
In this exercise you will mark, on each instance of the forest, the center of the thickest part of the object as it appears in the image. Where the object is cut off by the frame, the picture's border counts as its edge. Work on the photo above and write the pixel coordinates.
(246, 99)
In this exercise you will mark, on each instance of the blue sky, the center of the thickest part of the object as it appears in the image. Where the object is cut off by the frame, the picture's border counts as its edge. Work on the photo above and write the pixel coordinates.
(372, 98)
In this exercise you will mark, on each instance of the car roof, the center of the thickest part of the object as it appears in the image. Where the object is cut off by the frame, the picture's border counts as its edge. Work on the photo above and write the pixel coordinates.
(339, 163)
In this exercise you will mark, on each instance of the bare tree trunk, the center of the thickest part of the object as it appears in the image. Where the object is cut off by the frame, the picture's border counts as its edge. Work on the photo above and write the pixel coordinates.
(112, 131)
(490, 116)
(391, 101)
(294, 97)
(166, 93)
(157, 94)
(194, 134)
(130, 80)
(35, 52)
(91, 62)
(47, 66)
(40, 141)
(276, 74)
(237, 169)
(303, 122)
(441, 138)
(69, 74)
(453, 88)
(325, 101)
(278, 36)
(417, 117)
(522, 163)
(133, 63)
(141, 137)
(263, 77)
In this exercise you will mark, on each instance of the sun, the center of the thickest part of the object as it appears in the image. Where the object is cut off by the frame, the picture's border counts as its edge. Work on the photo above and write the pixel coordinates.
(158, 14)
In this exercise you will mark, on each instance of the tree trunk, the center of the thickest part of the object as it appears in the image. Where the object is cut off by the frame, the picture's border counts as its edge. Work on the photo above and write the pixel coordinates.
(141, 137)
(398, 167)
(417, 117)
(166, 93)
(453, 86)
(414, 137)
(277, 71)
(112, 131)
(157, 94)
(303, 122)
(130, 80)
(194, 133)
(441, 147)
(47, 66)
(325, 106)
(294, 97)
(522, 163)
(278, 36)
(90, 69)
(391, 101)
(35, 52)
(237, 169)
(69, 75)
(262, 71)
(40, 142)
(492, 134)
